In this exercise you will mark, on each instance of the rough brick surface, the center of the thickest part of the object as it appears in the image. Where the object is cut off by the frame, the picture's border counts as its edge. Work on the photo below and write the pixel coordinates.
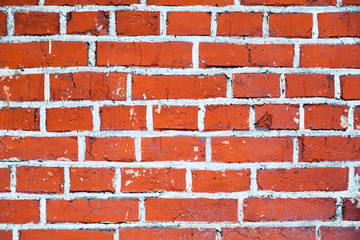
(179, 119)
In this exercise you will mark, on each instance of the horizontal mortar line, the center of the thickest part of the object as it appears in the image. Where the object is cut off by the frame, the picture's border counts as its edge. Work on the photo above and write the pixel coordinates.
(181, 102)
(215, 166)
(144, 134)
(172, 38)
(180, 195)
(229, 8)
(180, 224)
(180, 71)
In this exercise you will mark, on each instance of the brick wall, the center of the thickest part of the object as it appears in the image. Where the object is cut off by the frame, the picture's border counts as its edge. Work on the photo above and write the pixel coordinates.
(187, 119)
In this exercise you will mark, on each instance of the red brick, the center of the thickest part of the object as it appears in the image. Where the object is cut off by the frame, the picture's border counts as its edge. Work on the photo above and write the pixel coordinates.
(91, 2)
(88, 86)
(193, 210)
(92, 211)
(326, 117)
(290, 2)
(22, 88)
(226, 117)
(339, 24)
(251, 85)
(351, 209)
(350, 2)
(339, 233)
(92, 179)
(18, 2)
(239, 24)
(330, 56)
(39, 54)
(152, 179)
(309, 85)
(287, 209)
(39, 148)
(357, 118)
(36, 23)
(66, 234)
(350, 85)
(4, 180)
(137, 23)
(249, 55)
(220, 181)
(243, 149)
(20, 119)
(190, 2)
(40, 179)
(19, 211)
(68, 119)
(277, 116)
(166, 233)
(301, 233)
(146, 87)
(85, 23)
(173, 149)
(316, 149)
(123, 118)
(303, 179)
(3, 22)
(297, 25)
(146, 54)
(5, 235)
(175, 117)
(182, 23)
(110, 149)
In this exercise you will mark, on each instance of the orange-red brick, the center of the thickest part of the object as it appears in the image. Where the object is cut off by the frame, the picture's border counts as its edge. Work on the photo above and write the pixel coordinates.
(137, 23)
(152, 179)
(242, 149)
(166, 233)
(6, 235)
(350, 85)
(123, 118)
(290, 25)
(190, 2)
(39, 148)
(226, 117)
(239, 24)
(193, 210)
(92, 211)
(357, 118)
(290, 2)
(251, 85)
(249, 55)
(84, 23)
(90, 2)
(36, 23)
(110, 149)
(175, 117)
(309, 85)
(343, 233)
(145, 54)
(40, 54)
(66, 234)
(351, 210)
(4, 180)
(220, 181)
(303, 179)
(173, 149)
(40, 179)
(288, 209)
(326, 117)
(20, 119)
(22, 88)
(68, 119)
(351, 2)
(339, 24)
(182, 23)
(18, 2)
(330, 56)
(178, 87)
(92, 179)
(3, 22)
(277, 116)
(19, 211)
(88, 86)
(316, 149)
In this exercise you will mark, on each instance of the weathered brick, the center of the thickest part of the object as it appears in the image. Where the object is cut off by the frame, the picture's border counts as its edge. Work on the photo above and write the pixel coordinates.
(252, 85)
(36, 23)
(335, 233)
(351, 209)
(22, 88)
(239, 24)
(175, 117)
(182, 23)
(166, 233)
(277, 116)
(66, 234)
(3, 22)
(326, 117)
(19, 211)
(190, 2)
(123, 118)
(4, 180)
(90, 2)
(137, 23)
(350, 85)
(309, 85)
(92, 179)
(290, 25)
(20, 119)
(68, 119)
(339, 24)
(290, 2)
(84, 23)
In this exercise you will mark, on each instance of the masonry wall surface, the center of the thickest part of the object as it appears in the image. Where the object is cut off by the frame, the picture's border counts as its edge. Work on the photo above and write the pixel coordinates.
(187, 119)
